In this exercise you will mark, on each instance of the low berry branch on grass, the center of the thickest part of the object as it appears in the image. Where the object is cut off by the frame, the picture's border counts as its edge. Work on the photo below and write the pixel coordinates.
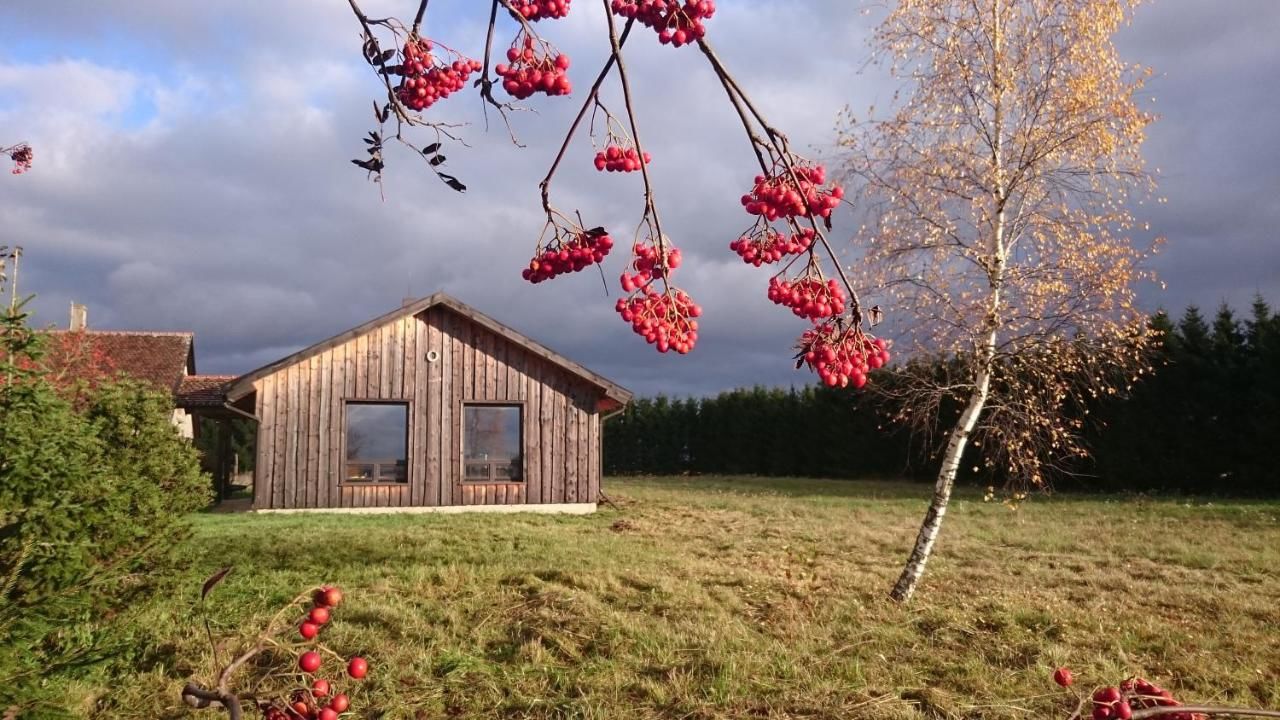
(1137, 698)
(283, 684)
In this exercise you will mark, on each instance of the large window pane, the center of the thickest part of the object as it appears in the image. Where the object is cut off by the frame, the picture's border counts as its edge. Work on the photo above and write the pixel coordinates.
(377, 442)
(492, 444)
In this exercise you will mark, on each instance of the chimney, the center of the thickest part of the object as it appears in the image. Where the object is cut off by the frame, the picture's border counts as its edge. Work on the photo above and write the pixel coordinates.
(79, 317)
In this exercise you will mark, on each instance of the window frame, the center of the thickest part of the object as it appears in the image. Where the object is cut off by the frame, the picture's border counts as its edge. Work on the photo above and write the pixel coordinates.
(462, 443)
(408, 436)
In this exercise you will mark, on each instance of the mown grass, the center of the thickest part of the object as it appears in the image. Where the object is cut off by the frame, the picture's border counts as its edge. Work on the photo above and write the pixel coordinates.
(748, 598)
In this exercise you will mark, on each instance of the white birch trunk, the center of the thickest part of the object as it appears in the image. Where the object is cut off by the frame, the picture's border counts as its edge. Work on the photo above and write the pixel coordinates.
(905, 587)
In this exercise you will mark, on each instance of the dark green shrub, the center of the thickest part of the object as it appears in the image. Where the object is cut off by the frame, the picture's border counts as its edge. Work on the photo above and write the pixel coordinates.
(92, 514)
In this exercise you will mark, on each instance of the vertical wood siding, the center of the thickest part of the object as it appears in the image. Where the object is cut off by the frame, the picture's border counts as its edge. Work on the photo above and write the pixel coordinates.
(301, 440)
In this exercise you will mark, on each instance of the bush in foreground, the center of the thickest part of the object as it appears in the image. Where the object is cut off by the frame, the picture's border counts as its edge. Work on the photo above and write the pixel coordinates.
(92, 503)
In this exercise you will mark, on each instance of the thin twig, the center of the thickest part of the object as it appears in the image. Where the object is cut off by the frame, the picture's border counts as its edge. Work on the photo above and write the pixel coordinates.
(417, 19)
(545, 185)
(781, 151)
(650, 210)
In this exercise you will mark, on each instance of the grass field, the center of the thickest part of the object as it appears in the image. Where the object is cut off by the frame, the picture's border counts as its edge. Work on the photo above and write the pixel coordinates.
(745, 598)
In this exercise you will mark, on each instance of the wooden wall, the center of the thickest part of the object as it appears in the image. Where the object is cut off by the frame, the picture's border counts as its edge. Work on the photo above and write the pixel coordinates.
(300, 407)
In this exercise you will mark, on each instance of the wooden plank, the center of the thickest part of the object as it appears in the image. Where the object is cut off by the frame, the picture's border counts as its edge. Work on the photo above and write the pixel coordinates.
(555, 438)
(532, 436)
(453, 423)
(289, 411)
(546, 420)
(518, 490)
(422, 413)
(512, 387)
(396, 359)
(333, 425)
(449, 388)
(593, 461)
(570, 448)
(325, 383)
(468, 492)
(390, 345)
(362, 369)
(264, 402)
(431, 411)
(279, 437)
(310, 464)
(490, 367)
(375, 371)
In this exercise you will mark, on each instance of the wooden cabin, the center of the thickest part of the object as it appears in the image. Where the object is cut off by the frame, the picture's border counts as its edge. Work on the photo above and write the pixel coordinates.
(432, 406)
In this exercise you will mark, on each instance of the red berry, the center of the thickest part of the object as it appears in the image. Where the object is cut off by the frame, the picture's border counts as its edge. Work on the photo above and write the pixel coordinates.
(332, 597)
(1107, 695)
(357, 668)
(308, 630)
(1062, 675)
(327, 713)
(340, 703)
(319, 615)
(320, 688)
(309, 661)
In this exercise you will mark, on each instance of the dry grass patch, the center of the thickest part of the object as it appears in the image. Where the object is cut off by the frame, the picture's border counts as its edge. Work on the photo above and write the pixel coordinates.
(745, 598)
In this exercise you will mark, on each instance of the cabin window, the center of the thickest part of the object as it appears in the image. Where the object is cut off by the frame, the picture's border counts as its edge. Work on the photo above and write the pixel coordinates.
(492, 447)
(377, 442)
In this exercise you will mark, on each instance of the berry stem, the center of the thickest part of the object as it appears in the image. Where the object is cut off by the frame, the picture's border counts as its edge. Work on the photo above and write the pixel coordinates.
(485, 83)
(780, 150)
(417, 19)
(1205, 709)
(650, 210)
(545, 185)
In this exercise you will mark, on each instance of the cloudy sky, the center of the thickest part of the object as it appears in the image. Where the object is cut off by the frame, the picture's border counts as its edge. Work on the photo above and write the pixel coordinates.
(192, 172)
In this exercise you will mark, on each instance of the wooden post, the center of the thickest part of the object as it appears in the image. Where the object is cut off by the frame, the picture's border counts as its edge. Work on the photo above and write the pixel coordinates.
(223, 464)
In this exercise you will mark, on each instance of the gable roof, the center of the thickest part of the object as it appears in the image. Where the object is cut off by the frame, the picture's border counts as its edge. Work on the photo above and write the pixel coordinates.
(244, 384)
(159, 359)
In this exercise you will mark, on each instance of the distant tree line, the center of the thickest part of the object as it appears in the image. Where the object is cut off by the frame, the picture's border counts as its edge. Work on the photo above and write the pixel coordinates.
(1204, 421)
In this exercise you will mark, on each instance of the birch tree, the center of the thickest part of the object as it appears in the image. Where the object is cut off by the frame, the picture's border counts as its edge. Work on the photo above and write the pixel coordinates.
(999, 195)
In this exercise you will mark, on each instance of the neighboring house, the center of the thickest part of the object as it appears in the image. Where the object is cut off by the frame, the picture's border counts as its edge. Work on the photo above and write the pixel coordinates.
(432, 405)
(166, 361)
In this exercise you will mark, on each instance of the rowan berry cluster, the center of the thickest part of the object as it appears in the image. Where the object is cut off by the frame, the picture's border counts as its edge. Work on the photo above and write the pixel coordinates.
(615, 158)
(647, 266)
(809, 296)
(780, 196)
(766, 245)
(534, 10)
(665, 320)
(320, 700)
(578, 252)
(428, 78)
(1119, 703)
(842, 356)
(677, 23)
(21, 156)
(535, 67)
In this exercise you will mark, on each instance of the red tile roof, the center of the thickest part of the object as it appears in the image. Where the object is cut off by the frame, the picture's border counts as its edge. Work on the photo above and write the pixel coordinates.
(204, 390)
(159, 359)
